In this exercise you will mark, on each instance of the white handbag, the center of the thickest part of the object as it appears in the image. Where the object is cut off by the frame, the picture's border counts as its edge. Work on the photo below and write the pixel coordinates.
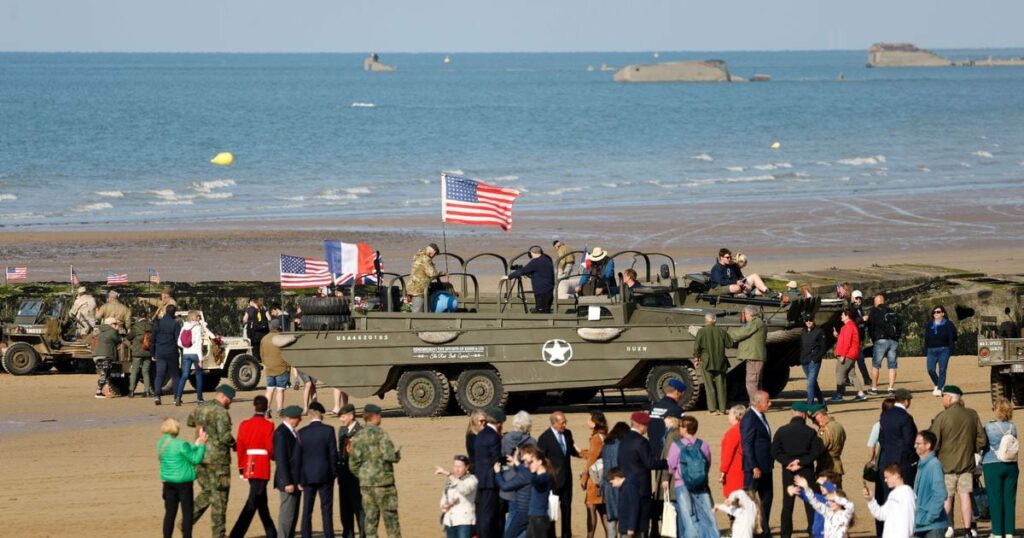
(668, 517)
(553, 501)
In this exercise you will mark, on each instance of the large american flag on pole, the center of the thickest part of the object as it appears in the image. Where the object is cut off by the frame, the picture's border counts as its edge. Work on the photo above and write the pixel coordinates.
(468, 201)
(116, 279)
(17, 273)
(297, 272)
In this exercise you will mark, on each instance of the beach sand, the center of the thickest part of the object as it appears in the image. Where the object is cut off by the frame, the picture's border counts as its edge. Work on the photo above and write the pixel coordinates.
(78, 466)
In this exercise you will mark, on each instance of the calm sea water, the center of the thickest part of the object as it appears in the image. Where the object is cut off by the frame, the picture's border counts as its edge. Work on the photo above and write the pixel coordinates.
(90, 138)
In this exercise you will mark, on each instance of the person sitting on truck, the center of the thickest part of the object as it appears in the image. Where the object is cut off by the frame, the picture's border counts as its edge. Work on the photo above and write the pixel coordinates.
(422, 272)
(599, 278)
(83, 312)
(541, 272)
(629, 279)
(729, 275)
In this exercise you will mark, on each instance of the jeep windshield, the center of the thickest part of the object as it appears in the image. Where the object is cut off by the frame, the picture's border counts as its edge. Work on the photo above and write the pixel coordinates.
(30, 308)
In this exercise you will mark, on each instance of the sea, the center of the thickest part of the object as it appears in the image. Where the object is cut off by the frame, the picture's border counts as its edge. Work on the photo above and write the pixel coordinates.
(128, 138)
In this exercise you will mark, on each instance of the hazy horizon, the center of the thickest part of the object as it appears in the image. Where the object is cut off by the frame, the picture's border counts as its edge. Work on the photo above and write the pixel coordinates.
(529, 26)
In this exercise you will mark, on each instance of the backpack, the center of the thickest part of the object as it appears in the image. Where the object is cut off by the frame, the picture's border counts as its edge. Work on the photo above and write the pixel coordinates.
(147, 340)
(891, 326)
(692, 466)
(1008, 447)
(185, 338)
(258, 321)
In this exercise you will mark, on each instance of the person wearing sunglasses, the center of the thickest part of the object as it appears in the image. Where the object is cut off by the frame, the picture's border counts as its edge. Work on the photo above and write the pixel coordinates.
(939, 342)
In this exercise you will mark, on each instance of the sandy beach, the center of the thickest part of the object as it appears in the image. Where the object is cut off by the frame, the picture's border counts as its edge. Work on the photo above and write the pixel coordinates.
(79, 466)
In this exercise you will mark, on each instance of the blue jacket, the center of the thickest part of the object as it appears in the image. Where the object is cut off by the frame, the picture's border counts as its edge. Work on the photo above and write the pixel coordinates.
(930, 488)
(541, 272)
(942, 336)
(540, 489)
(629, 507)
(608, 274)
(637, 460)
(287, 457)
(165, 338)
(486, 452)
(818, 527)
(896, 434)
(724, 275)
(319, 454)
(757, 449)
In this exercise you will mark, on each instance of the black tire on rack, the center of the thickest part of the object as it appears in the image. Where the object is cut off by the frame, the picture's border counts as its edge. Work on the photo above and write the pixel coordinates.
(322, 322)
(323, 306)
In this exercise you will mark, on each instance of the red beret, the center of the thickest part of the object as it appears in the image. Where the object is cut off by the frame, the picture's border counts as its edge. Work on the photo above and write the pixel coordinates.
(640, 417)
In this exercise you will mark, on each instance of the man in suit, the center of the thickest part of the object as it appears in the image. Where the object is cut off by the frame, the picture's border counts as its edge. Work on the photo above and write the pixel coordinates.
(637, 460)
(289, 468)
(319, 469)
(896, 435)
(350, 499)
(558, 447)
(756, 437)
(796, 447)
(487, 452)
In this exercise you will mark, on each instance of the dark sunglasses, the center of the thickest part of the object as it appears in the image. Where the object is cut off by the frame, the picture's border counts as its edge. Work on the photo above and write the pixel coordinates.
(937, 312)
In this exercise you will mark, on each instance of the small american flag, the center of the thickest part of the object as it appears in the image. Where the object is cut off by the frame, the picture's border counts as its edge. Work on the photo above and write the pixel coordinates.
(299, 272)
(116, 279)
(154, 277)
(74, 278)
(17, 273)
(468, 201)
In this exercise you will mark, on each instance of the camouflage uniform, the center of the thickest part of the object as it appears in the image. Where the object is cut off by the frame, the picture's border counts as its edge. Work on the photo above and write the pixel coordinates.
(372, 460)
(214, 473)
(422, 272)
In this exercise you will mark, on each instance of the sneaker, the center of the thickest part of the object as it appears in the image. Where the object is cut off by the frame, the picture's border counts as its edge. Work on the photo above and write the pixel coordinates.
(99, 396)
(131, 394)
(950, 532)
(873, 391)
(860, 398)
(156, 401)
(936, 392)
(974, 533)
(891, 391)
(177, 403)
(836, 398)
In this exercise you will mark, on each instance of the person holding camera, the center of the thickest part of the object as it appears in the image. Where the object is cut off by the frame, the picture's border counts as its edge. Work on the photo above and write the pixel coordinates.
(541, 272)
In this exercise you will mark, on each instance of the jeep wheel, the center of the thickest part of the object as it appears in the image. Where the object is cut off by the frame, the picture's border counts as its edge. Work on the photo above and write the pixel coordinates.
(319, 322)
(21, 359)
(323, 306)
(1001, 386)
(245, 372)
(659, 376)
(480, 389)
(423, 393)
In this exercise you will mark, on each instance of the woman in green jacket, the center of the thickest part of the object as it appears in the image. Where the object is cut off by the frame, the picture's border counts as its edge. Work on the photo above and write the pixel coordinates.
(178, 460)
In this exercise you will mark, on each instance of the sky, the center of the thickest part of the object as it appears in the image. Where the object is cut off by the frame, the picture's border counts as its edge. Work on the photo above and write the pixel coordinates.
(502, 26)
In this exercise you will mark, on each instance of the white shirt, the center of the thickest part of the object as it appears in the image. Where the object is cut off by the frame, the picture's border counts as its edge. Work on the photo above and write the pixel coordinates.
(897, 512)
(745, 514)
(197, 338)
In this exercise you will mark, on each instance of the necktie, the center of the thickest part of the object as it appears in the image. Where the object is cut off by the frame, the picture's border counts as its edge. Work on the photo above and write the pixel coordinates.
(561, 441)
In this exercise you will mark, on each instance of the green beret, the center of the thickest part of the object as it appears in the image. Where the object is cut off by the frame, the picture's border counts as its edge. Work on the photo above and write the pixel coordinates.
(952, 389)
(292, 411)
(227, 390)
(800, 407)
(347, 408)
(495, 413)
(903, 394)
(814, 409)
(372, 409)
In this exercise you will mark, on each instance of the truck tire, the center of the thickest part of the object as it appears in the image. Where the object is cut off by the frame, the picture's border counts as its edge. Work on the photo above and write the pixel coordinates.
(577, 396)
(322, 322)
(21, 359)
(323, 306)
(683, 371)
(423, 393)
(244, 372)
(480, 388)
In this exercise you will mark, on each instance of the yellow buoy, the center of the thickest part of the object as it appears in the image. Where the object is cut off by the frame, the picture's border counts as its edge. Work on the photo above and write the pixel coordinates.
(776, 145)
(224, 158)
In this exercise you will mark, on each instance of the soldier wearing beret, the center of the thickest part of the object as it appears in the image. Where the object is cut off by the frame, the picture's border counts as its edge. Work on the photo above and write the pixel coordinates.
(214, 473)
(959, 435)
(833, 440)
(372, 460)
(288, 471)
(349, 498)
(796, 447)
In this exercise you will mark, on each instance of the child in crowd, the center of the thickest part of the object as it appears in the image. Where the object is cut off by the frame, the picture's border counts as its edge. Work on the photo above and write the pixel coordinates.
(629, 503)
(743, 509)
(833, 511)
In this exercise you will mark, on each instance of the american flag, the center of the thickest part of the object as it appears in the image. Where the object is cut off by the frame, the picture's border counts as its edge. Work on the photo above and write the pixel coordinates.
(468, 201)
(17, 273)
(154, 277)
(299, 272)
(74, 277)
(116, 279)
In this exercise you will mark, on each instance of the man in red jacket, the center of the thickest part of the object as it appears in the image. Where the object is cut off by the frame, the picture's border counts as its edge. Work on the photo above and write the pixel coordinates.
(255, 445)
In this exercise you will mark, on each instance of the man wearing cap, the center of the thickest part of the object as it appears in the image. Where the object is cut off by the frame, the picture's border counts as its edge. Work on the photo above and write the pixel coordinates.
(214, 473)
(599, 278)
(487, 452)
(372, 459)
(288, 470)
(751, 341)
(833, 440)
(813, 348)
(565, 260)
(559, 448)
(319, 456)
(161, 304)
(959, 435)
(114, 308)
(637, 460)
(107, 341)
(857, 310)
(83, 311)
(255, 448)
(896, 434)
(141, 354)
(422, 272)
(350, 501)
(756, 440)
(796, 447)
(930, 519)
(709, 353)
(541, 272)
(674, 389)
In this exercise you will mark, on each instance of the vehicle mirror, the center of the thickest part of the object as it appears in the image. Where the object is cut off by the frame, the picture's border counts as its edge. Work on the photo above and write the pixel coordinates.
(665, 272)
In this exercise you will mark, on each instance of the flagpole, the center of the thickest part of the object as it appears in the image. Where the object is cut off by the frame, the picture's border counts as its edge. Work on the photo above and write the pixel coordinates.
(444, 225)
(8, 268)
(71, 278)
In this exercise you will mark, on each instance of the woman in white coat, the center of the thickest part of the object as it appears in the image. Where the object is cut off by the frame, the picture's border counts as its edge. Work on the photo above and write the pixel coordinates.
(192, 333)
(458, 501)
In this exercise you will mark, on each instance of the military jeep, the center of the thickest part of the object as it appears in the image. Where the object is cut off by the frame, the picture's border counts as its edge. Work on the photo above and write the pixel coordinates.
(42, 336)
(1001, 349)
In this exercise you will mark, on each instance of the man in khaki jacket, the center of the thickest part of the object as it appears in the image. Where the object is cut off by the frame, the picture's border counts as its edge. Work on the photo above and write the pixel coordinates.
(423, 271)
(161, 304)
(114, 308)
(959, 436)
(752, 346)
(564, 262)
(83, 311)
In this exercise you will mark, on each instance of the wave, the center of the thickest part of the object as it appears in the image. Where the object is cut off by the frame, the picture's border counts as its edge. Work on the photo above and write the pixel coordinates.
(18, 216)
(166, 194)
(703, 157)
(501, 179)
(332, 194)
(861, 161)
(563, 190)
(358, 190)
(982, 153)
(735, 168)
(292, 198)
(186, 201)
(207, 186)
(7, 197)
(215, 196)
(359, 104)
(110, 194)
(454, 172)
(772, 166)
(92, 207)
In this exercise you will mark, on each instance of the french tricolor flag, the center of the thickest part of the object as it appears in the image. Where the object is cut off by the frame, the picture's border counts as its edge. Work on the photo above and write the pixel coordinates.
(349, 261)
(585, 262)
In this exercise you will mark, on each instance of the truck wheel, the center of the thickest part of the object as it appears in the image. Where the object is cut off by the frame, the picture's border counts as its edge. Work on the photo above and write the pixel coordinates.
(21, 359)
(323, 306)
(659, 376)
(321, 322)
(480, 389)
(65, 366)
(577, 396)
(245, 372)
(423, 393)
(1001, 386)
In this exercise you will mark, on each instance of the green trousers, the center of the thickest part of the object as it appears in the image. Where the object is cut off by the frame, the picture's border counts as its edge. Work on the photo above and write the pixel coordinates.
(1001, 487)
(381, 502)
(714, 384)
(140, 363)
(214, 485)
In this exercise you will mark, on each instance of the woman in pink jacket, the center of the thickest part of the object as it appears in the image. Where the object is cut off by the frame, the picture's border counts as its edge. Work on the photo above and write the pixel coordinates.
(847, 351)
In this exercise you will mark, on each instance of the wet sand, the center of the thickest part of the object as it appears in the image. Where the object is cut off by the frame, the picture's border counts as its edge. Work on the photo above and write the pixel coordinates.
(78, 466)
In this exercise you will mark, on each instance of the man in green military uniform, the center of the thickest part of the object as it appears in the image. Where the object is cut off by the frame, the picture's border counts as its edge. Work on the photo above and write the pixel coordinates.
(833, 439)
(140, 355)
(114, 308)
(751, 341)
(349, 497)
(372, 460)
(709, 352)
(214, 473)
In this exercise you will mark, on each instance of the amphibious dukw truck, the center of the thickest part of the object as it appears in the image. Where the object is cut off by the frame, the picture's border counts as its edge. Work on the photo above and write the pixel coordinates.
(492, 350)
(1001, 348)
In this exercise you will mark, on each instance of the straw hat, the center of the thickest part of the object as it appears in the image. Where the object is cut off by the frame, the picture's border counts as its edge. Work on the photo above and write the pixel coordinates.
(598, 254)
